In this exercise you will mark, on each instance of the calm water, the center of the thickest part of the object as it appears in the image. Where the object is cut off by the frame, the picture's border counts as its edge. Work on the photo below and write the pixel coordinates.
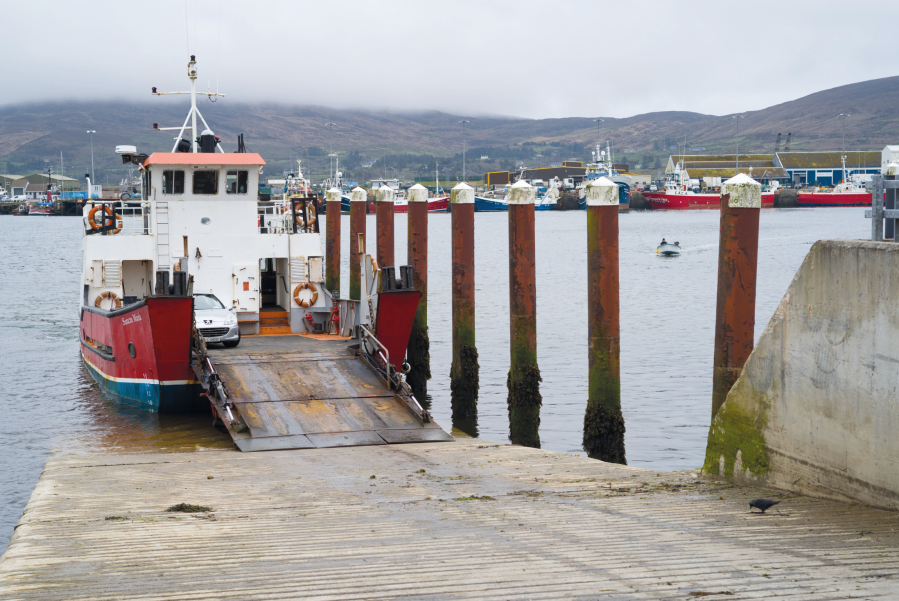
(668, 310)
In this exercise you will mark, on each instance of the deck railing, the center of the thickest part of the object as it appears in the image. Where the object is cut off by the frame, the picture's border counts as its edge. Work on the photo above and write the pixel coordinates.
(884, 213)
(292, 216)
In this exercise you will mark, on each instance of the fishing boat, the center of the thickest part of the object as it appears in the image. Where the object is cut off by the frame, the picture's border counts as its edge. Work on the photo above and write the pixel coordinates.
(550, 200)
(490, 202)
(22, 209)
(678, 194)
(200, 227)
(667, 249)
(844, 194)
(602, 166)
(41, 208)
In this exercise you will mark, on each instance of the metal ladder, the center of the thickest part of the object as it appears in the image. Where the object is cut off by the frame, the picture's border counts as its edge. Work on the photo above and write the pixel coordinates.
(163, 254)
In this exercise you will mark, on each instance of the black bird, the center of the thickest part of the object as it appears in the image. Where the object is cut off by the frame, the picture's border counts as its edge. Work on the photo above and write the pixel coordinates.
(763, 504)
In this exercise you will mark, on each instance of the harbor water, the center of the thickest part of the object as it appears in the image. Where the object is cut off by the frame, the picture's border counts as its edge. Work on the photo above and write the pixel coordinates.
(49, 403)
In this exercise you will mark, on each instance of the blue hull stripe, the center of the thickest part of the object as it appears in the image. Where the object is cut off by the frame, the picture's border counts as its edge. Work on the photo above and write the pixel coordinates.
(150, 395)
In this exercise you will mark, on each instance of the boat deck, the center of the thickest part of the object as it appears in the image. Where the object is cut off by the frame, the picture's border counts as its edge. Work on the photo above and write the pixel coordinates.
(460, 520)
(306, 391)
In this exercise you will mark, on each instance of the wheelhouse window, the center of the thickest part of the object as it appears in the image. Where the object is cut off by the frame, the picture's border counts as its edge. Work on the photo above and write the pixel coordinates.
(236, 182)
(206, 182)
(173, 182)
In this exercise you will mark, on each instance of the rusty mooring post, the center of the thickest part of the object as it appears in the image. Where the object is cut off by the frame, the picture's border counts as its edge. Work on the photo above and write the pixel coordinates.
(332, 243)
(738, 250)
(386, 197)
(358, 202)
(464, 372)
(419, 351)
(524, 379)
(603, 421)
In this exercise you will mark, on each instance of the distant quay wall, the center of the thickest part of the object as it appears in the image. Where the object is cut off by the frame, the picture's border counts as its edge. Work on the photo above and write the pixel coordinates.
(816, 409)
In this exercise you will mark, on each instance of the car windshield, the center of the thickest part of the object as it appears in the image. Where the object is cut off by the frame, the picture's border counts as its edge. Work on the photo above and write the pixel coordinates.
(207, 301)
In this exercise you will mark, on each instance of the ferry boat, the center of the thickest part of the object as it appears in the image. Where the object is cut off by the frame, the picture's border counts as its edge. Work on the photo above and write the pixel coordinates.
(678, 194)
(199, 228)
(602, 166)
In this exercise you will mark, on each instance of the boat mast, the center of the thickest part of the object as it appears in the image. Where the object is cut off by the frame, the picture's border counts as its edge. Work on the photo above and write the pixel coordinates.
(194, 111)
(192, 74)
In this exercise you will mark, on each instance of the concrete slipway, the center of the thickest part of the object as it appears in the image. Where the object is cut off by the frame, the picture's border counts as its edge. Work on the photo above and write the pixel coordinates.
(465, 519)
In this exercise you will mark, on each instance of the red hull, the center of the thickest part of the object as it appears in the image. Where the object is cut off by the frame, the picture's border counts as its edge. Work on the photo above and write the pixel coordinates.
(141, 355)
(435, 205)
(661, 200)
(825, 199)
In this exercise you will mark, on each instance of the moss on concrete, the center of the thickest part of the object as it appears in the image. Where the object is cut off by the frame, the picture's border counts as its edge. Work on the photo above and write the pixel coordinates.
(738, 430)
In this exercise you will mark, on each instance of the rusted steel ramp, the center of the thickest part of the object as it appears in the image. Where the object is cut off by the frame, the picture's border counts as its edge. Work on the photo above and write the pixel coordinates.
(296, 392)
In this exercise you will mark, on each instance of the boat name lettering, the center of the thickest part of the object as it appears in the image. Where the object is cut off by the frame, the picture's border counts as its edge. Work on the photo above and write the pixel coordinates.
(134, 317)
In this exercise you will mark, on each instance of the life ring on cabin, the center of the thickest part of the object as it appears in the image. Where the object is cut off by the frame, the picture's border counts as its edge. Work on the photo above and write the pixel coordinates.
(114, 301)
(310, 211)
(108, 211)
(304, 302)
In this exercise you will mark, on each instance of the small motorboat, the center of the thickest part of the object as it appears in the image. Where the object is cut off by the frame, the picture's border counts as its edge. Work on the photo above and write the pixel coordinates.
(668, 249)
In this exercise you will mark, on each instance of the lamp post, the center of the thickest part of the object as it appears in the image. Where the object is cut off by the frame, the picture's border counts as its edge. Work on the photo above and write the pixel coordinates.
(598, 121)
(331, 149)
(92, 132)
(464, 122)
(737, 118)
(842, 117)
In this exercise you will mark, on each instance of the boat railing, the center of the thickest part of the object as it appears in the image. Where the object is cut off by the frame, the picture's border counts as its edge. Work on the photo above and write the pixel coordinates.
(292, 216)
(118, 217)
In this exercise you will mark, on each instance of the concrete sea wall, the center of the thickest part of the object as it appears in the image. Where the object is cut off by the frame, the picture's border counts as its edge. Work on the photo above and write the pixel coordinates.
(816, 409)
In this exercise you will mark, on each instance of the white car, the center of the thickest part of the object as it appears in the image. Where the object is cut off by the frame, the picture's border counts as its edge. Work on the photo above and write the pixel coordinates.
(653, 188)
(214, 322)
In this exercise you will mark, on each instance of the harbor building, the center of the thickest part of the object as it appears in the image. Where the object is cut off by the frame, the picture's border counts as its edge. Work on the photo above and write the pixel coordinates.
(712, 169)
(826, 168)
(797, 168)
(574, 170)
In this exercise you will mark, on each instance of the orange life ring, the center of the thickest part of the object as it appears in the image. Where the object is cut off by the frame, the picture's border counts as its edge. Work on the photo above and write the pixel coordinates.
(303, 302)
(115, 301)
(310, 211)
(108, 211)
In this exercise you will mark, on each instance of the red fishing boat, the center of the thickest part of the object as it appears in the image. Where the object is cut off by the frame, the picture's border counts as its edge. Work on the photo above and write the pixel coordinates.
(843, 195)
(678, 195)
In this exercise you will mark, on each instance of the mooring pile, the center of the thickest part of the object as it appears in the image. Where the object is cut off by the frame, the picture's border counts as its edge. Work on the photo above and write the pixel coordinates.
(604, 426)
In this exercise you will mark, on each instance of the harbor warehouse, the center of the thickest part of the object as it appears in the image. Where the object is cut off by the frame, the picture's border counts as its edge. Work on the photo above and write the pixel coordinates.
(798, 168)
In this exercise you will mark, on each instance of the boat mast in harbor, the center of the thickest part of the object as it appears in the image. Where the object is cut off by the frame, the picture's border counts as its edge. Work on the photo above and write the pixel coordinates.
(194, 111)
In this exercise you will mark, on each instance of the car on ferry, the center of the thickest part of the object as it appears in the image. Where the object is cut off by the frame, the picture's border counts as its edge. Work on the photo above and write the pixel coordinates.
(214, 322)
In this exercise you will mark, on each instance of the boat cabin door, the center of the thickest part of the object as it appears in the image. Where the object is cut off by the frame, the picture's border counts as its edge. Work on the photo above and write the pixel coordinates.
(246, 287)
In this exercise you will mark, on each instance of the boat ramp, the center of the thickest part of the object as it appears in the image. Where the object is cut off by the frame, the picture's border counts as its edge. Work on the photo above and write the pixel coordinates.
(453, 520)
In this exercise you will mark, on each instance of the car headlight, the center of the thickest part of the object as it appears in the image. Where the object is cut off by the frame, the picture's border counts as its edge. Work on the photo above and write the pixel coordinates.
(231, 321)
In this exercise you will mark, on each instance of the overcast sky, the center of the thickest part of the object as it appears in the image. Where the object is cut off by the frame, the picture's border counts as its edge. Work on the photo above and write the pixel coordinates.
(521, 58)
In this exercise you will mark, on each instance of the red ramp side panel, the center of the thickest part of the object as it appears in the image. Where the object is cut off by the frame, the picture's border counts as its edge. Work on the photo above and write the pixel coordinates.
(396, 312)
